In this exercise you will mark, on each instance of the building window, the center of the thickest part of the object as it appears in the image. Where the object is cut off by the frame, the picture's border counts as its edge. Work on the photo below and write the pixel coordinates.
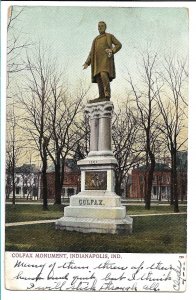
(18, 190)
(17, 179)
(154, 190)
(70, 192)
(24, 190)
(63, 192)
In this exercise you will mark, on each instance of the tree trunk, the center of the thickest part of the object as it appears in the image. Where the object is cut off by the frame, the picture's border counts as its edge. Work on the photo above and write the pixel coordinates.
(175, 183)
(172, 187)
(14, 188)
(62, 173)
(117, 188)
(160, 193)
(44, 181)
(118, 182)
(145, 183)
(57, 182)
(44, 187)
(13, 176)
(149, 181)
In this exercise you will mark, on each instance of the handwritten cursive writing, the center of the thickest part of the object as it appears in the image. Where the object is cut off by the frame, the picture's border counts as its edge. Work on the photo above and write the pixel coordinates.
(100, 272)
(57, 286)
(82, 285)
(179, 278)
(109, 276)
(153, 287)
(111, 286)
(72, 266)
(109, 265)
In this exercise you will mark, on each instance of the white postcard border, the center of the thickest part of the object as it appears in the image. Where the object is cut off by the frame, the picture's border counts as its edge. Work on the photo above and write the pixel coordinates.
(6, 294)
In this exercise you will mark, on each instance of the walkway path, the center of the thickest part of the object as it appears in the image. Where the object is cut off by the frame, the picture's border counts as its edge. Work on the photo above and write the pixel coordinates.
(29, 203)
(52, 221)
(124, 202)
(162, 214)
(29, 223)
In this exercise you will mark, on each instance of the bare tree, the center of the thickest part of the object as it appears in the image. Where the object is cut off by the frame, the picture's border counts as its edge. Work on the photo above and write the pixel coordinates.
(34, 99)
(173, 111)
(9, 162)
(15, 46)
(51, 116)
(83, 145)
(145, 100)
(15, 64)
(124, 135)
(13, 152)
(64, 133)
(16, 43)
(182, 175)
(10, 170)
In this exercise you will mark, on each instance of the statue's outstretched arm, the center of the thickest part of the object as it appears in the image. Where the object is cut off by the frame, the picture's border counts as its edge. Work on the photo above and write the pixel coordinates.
(88, 61)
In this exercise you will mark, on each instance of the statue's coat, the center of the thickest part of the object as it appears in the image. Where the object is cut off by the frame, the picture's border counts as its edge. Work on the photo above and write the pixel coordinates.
(107, 64)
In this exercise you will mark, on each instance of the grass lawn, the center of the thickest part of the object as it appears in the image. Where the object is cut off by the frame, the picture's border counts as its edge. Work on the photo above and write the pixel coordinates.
(152, 234)
(28, 212)
(158, 209)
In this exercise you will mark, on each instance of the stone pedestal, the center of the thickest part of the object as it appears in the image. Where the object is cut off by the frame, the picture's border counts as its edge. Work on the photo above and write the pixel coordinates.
(97, 208)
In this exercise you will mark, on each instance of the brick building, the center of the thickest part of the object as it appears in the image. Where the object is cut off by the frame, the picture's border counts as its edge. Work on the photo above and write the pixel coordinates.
(71, 184)
(161, 180)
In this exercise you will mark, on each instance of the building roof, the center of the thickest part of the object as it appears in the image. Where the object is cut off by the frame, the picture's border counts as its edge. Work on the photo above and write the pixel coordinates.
(182, 160)
(70, 163)
(26, 169)
(70, 166)
(158, 167)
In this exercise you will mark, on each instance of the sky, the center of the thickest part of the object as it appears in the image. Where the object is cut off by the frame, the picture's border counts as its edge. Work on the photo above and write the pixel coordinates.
(69, 32)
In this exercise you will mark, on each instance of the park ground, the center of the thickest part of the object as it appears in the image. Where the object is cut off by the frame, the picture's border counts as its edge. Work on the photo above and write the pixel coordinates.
(157, 230)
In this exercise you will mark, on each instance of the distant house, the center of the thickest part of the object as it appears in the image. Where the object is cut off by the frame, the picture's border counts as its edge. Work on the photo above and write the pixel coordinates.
(161, 182)
(161, 186)
(71, 184)
(27, 182)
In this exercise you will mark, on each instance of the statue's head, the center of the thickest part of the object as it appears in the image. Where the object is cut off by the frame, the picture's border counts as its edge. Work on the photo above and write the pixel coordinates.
(102, 27)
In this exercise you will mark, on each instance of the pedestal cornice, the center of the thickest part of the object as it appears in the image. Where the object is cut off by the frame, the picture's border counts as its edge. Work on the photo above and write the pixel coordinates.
(99, 109)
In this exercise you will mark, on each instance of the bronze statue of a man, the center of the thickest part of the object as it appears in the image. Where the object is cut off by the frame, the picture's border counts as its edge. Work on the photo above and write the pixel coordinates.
(101, 59)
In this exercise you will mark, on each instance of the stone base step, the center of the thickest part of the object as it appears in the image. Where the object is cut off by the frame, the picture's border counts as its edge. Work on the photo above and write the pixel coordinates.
(95, 212)
(88, 225)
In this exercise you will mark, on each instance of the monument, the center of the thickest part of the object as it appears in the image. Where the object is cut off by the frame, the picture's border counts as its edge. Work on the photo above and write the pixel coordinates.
(97, 208)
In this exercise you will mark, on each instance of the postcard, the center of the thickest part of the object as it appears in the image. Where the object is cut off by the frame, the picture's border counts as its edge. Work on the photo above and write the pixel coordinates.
(96, 149)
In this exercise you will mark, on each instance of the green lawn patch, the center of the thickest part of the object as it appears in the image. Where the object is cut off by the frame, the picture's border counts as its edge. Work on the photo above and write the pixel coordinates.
(28, 212)
(152, 234)
(158, 209)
